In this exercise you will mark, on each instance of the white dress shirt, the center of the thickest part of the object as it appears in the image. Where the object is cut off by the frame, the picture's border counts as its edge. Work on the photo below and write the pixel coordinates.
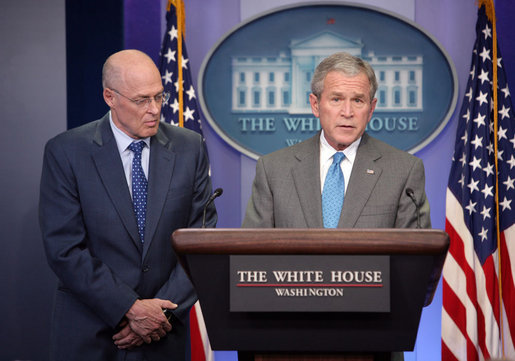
(123, 141)
(326, 159)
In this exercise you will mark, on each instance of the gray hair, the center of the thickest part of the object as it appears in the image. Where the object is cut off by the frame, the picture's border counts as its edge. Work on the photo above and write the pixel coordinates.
(347, 64)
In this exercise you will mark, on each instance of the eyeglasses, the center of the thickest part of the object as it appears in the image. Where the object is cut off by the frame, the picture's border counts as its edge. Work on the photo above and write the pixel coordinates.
(145, 101)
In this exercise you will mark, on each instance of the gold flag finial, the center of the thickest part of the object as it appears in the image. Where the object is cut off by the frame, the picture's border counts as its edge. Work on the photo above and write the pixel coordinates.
(489, 7)
(181, 15)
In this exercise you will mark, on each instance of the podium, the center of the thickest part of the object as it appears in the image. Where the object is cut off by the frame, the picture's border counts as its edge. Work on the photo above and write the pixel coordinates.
(415, 260)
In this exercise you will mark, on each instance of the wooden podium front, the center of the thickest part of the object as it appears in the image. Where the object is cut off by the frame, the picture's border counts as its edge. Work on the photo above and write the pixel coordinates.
(416, 258)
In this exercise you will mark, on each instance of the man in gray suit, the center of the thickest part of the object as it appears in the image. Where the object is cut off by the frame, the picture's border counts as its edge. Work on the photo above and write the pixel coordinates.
(112, 193)
(374, 178)
(288, 188)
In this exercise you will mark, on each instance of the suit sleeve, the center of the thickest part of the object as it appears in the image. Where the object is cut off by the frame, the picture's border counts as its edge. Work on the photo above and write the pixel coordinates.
(407, 212)
(178, 288)
(66, 242)
(260, 208)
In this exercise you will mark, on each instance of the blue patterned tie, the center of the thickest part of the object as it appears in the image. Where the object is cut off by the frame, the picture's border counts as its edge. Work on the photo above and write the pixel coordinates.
(333, 193)
(139, 188)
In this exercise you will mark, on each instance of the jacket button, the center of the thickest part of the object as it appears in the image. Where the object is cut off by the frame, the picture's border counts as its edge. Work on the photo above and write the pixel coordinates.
(146, 268)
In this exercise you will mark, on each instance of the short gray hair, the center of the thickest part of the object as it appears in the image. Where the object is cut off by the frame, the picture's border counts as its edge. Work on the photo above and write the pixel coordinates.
(347, 64)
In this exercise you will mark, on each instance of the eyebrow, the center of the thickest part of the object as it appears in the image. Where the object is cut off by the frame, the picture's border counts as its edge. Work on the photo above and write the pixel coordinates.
(355, 95)
(149, 96)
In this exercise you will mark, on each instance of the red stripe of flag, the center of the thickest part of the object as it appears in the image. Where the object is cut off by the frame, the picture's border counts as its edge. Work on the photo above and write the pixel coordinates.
(447, 355)
(453, 302)
(508, 291)
(197, 347)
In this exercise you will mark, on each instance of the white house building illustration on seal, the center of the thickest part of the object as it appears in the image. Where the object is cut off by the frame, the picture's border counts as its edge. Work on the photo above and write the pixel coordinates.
(282, 83)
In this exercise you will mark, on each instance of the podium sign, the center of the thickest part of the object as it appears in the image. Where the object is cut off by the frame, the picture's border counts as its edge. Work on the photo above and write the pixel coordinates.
(317, 283)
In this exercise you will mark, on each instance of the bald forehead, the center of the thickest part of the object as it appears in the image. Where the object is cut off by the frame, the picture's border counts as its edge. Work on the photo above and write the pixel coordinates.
(125, 63)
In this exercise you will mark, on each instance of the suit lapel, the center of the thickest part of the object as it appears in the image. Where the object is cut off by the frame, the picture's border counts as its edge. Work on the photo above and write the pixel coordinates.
(307, 185)
(162, 161)
(110, 169)
(365, 173)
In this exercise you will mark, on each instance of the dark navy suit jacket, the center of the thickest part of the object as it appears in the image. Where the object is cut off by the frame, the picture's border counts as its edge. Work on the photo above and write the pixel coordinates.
(92, 244)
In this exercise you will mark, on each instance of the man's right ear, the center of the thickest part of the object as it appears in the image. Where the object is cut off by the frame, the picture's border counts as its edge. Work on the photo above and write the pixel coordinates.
(313, 101)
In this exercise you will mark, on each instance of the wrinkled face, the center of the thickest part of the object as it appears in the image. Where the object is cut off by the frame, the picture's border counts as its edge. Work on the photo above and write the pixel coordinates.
(344, 108)
(138, 81)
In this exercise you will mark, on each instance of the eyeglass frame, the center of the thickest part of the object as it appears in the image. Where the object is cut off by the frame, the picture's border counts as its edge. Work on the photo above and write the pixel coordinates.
(145, 101)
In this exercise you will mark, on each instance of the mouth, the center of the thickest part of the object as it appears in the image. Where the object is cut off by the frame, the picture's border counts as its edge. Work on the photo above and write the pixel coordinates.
(151, 123)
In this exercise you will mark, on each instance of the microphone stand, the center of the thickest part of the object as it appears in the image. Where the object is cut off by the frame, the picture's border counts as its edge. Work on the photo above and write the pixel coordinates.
(411, 194)
(217, 193)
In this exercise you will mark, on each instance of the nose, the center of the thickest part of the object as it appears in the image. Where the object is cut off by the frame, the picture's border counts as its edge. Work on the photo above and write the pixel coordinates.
(154, 107)
(347, 110)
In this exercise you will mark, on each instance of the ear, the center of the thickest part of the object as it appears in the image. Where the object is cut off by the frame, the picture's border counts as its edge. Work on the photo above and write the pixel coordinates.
(373, 104)
(108, 97)
(372, 108)
(313, 101)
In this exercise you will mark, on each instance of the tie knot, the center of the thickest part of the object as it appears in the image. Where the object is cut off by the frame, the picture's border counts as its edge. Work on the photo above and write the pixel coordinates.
(337, 157)
(137, 147)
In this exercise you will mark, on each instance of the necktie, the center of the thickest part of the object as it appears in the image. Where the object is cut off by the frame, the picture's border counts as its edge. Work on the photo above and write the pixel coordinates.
(333, 193)
(139, 188)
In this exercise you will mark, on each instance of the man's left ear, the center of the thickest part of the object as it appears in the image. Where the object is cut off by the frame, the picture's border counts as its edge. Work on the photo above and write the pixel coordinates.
(373, 106)
(108, 97)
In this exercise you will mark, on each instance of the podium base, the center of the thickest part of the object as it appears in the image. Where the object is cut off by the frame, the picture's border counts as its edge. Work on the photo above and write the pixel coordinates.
(260, 356)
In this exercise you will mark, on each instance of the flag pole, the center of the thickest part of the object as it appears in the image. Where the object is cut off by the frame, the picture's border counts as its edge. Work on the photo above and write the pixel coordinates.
(180, 30)
(179, 8)
(490, 13)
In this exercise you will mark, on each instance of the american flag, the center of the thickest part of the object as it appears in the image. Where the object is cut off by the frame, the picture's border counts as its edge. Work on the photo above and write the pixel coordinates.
(182, 110)
(478, 315)
(177, 80)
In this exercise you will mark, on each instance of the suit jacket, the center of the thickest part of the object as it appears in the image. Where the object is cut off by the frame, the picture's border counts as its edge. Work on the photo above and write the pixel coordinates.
(91, 237)
(286, 190)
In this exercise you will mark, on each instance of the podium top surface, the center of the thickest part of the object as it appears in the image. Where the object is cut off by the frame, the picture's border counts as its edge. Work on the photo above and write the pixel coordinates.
(310, 241)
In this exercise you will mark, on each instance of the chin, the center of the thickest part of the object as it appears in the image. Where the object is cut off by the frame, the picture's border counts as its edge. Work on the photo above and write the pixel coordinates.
(149, 133)
(345, 142)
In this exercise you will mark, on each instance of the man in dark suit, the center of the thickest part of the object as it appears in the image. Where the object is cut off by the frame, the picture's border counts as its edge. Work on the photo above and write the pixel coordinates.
(287, 190)
(107, 211)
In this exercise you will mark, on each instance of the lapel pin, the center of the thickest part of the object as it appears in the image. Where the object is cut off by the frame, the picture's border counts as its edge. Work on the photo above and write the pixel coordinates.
(370, 171)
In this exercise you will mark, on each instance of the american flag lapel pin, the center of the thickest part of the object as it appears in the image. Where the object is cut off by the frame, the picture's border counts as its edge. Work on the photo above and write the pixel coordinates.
(370, 171)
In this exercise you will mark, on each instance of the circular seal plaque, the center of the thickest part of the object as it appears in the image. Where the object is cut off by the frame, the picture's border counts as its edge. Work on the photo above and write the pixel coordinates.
(255, 82)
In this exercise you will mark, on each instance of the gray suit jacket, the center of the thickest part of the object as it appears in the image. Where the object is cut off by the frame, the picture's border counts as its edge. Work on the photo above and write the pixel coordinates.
(91, 237)
(286, 189)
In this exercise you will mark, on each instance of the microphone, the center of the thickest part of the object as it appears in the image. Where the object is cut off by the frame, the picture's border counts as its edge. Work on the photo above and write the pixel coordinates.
(217, 193)
(411, 194)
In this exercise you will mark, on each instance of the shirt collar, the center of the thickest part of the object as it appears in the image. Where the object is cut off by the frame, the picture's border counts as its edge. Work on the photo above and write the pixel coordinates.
(122, 139)
(327, 151)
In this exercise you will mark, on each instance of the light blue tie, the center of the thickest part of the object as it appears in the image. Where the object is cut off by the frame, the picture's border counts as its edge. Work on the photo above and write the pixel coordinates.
(139, 188)
(333, 193)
